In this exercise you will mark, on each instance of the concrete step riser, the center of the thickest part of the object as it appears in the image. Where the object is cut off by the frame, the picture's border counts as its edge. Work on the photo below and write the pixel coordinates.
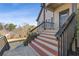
(47, 52)
(54, 52)
(49, 45)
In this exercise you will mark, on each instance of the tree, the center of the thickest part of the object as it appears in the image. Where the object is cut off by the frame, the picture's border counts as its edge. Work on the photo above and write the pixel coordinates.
(23, 30)
(28, 27)
(10, 26)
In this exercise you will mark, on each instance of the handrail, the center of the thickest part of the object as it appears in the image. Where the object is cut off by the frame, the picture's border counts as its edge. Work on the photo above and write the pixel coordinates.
(65, 25)
(30, 36)
(37, 26)
(41, 24)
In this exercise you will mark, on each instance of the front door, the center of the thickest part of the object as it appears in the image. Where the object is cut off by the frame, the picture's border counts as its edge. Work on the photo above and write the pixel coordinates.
(63, 15)
(49, 23)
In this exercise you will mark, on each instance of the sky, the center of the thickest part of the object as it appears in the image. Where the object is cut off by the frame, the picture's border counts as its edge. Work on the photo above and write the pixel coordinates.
(19, 13)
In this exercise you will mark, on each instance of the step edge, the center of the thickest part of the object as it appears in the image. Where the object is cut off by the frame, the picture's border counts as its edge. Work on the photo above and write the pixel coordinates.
(47, 48)
(47, 52)
(50, 40)
(49, 45)
(33, 50)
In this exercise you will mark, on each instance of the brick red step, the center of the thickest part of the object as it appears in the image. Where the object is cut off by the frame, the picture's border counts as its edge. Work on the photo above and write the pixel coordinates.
(40, 52)
(53, 52)
(48, 42)
(48, 37)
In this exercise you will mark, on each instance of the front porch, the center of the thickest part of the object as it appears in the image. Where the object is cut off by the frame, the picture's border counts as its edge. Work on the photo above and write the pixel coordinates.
(64, 19)
(57, 38)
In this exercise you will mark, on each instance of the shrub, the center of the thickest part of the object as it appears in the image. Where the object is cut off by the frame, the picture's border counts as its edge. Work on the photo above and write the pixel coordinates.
(31, 36)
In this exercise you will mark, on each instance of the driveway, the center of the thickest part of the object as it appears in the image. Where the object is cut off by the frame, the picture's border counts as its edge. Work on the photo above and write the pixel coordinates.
(20, 50)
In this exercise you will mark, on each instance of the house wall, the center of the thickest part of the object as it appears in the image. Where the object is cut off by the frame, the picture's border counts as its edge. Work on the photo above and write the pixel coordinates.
(48, 15)
(56, 17)
(56, 14)
(40, 20)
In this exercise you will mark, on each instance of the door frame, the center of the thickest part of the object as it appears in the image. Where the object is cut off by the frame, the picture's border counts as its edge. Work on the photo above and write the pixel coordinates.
(61, 12)
(62, 41)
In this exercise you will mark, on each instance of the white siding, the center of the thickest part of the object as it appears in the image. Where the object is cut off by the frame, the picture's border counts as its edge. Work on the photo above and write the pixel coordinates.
(48, 15)
(56, 14)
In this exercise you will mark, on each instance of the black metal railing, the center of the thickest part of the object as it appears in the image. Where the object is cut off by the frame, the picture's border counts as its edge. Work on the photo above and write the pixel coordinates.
(43, 26)
(37, 26)
(49, 25)
(66, 34)
(32, 35)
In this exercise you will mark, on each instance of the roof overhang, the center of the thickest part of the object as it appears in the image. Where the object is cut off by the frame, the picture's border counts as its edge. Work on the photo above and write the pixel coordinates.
(52, 6)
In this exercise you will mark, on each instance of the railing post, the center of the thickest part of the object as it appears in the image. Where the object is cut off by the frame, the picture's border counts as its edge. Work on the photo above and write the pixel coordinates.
(74, 9)
(59, 46)
(44, 15)
(65, 35)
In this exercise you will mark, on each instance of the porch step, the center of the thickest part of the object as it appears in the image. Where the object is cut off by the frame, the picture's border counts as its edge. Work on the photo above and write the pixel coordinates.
(48, 36)
(49, 32)
(45, 45)
(44, 50)
(48, 39)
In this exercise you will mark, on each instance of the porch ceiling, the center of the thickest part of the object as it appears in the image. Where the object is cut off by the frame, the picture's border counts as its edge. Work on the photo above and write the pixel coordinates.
(53, 6)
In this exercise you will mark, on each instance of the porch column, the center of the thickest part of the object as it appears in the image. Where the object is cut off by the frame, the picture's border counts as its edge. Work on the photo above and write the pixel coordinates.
(74, 9)
(44, 15)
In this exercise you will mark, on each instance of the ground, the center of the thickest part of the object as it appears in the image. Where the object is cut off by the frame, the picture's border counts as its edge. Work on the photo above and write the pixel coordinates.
(20, 50)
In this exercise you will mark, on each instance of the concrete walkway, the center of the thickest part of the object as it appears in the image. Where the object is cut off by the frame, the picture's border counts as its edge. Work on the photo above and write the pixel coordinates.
(21, 50)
